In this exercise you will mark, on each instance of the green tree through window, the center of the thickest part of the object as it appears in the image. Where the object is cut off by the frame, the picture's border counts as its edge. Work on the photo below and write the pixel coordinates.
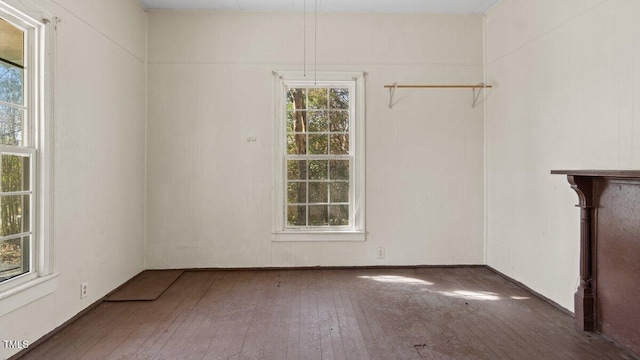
(15, 168)
(319, 182)
(318, 156)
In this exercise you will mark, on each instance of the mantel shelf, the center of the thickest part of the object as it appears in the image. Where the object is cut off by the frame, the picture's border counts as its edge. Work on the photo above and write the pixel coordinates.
(627, 174)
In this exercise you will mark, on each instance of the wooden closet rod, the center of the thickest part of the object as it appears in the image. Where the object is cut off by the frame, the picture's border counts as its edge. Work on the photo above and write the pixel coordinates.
(476, 94)
(438, 86)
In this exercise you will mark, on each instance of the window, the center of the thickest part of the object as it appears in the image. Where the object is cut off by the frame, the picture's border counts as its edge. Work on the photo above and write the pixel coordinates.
(320, 157)
(24, 182)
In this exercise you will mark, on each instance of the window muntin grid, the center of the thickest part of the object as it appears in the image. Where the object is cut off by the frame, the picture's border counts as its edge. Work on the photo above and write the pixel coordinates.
(319, 156)
(17, 150)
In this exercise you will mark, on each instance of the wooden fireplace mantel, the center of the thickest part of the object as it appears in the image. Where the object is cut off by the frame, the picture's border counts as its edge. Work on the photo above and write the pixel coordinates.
(619, 174)
(606, 299)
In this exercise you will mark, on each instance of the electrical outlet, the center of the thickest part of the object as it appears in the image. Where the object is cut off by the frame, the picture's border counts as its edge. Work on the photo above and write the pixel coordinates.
(380, 253)
(84, 290)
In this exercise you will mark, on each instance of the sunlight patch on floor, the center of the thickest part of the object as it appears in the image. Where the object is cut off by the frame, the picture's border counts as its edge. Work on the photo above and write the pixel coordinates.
(396, 279)
(471, 295)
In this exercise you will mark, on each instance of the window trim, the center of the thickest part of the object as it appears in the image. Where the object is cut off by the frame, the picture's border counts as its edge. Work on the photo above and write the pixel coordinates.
(40, 280)
(357, 231)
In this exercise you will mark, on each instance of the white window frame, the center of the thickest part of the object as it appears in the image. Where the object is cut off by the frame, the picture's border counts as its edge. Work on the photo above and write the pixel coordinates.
(41, 279)
(356, 230)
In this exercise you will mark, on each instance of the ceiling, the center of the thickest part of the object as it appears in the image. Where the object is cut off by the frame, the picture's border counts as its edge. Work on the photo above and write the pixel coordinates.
(382, 6)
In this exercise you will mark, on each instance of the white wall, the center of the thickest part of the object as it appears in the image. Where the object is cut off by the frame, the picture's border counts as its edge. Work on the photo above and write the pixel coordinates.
(566, 98)
(99, 165)
(210, 87)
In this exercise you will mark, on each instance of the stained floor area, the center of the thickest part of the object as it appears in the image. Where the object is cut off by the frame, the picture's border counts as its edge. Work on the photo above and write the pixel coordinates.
(421, 313)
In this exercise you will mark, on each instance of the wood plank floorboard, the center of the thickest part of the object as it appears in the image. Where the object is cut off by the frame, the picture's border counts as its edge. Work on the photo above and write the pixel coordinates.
(146, 286)
(322, 314)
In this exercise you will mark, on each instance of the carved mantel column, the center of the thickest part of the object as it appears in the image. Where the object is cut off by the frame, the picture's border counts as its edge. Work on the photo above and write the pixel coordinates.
(607, 298)
(584, 301)
(588, 184)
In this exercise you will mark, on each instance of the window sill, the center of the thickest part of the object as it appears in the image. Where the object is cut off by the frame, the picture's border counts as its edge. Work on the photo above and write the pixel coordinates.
(332, 236)
(21, 295)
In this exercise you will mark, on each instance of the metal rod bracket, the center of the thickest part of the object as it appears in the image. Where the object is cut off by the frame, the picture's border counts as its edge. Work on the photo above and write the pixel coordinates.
(476, 94)
(392, 92)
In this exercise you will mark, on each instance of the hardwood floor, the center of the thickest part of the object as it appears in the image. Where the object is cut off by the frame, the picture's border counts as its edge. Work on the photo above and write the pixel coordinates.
(422, 313)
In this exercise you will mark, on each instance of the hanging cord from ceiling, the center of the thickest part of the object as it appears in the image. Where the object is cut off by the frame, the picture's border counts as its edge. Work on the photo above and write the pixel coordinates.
(304, 39)
(315, 42)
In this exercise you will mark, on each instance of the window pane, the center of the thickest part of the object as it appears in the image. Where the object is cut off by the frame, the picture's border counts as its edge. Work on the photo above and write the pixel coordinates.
(317, 99)
(339, 98)
(339, 192)
(290, 125)
(318, 144)
(11, 83)
(339, 169)
(296, 144)
(318, 121)
(297, 192)
(11, 43)
(318, 192)
(339, 214)
(339, 144)
(297, 169)
(318, 170)
(318, 215)
(14, 257)
(11, 63)
(296, 99)
(339, 121)
(296, 121)
(297, 215)
(11, 125)
(15, 173)
(15, 214)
